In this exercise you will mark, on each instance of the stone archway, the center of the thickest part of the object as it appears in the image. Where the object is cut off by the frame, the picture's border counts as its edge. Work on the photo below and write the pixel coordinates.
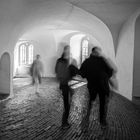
(54, 15)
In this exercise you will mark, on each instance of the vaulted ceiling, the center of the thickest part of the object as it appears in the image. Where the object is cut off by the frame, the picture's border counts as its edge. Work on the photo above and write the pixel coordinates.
(112, 12)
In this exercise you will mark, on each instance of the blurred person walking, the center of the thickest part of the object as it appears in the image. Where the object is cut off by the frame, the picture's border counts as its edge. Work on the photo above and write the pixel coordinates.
(36, 72)
(65, 70)
(98, 71)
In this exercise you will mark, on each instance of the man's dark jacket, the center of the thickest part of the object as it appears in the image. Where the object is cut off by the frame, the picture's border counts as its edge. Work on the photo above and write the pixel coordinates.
(64, 71)
(96, 71)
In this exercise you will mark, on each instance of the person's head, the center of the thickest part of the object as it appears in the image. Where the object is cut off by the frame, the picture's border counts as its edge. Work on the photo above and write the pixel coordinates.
(66, 52)
(37, 56)
(96, 51)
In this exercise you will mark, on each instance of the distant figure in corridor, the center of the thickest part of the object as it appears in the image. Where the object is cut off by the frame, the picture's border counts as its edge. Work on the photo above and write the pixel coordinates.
(65, 70)
(97, 70)
(36, 72)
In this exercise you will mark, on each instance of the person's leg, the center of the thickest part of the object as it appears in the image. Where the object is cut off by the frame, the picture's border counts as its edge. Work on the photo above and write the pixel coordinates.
(106, 107)
(39, 79)
(33, 80)
(103, 97)
(65, 93)
(102, 108)
(36, 84)
(70, 95)
(85, 122)
(92, 97)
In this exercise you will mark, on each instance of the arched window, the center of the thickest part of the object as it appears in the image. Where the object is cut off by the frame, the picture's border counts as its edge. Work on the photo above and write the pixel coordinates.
(84, 49)
(25, 53)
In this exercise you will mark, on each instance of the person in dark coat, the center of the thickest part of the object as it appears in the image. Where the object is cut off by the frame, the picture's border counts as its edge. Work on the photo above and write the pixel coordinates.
(64, 73)
(97, 71)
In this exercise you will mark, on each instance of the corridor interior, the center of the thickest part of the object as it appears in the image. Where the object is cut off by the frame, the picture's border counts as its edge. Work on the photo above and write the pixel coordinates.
(44, 27)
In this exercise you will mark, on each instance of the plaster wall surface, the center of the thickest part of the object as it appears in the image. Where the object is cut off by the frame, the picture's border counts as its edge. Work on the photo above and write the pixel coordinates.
(136, 72)
(125, 56)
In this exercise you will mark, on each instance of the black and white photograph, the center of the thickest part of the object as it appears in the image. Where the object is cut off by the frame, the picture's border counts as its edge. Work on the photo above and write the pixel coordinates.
(69, 69)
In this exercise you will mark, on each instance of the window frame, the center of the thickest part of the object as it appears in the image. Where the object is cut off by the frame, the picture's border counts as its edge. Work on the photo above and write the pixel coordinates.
(84, 49)
(25, 50)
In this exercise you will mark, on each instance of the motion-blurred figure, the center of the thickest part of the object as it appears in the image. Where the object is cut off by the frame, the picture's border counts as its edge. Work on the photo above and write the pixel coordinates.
(98, 71)
(65, 70)
(36, 72)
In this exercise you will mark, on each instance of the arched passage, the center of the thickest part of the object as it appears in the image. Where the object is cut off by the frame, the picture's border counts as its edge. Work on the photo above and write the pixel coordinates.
(43, 42)
(75, 47)
(64, 16)
(5, 74)
(23, 58)
(76, 44)
(74, 39)
(56, 15)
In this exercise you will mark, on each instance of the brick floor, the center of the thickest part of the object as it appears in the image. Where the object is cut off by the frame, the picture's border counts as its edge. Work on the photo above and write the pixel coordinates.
(30, 116)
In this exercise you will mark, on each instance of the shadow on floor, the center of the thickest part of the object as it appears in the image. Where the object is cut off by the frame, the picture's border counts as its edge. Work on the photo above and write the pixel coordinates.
(136, 101)
(32, 116)
(3, 96)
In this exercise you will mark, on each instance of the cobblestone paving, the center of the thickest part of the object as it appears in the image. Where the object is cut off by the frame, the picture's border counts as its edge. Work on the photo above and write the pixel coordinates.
(31, 116)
